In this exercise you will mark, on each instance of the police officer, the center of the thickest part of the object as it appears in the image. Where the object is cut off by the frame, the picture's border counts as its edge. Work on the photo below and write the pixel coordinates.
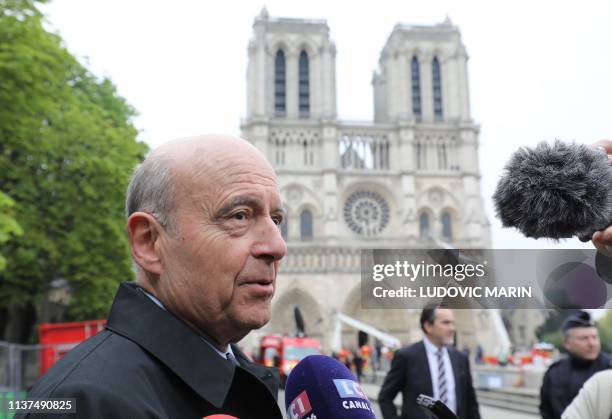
(566, 376)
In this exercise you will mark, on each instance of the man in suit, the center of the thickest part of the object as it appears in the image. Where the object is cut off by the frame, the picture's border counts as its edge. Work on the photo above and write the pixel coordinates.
(203, 226)
(431, 367)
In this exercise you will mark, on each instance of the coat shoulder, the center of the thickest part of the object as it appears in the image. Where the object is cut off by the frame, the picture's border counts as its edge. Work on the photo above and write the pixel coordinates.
(557, 367)
(106, 359)
(607, 359)
(411, 351)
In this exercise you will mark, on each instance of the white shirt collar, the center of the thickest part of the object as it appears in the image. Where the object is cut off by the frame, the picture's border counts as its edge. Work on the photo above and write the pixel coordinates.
(431, 348)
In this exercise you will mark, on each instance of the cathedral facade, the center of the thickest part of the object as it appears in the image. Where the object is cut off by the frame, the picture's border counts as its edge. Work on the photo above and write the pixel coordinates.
(398, 181)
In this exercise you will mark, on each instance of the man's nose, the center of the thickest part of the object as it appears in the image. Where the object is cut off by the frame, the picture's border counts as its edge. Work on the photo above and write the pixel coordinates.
(268, 242)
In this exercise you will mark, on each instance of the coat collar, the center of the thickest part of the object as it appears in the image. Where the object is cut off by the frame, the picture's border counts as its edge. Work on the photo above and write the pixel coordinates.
(134, 316)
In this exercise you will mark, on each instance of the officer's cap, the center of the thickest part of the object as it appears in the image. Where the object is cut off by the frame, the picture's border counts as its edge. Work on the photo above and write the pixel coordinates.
(578, 319)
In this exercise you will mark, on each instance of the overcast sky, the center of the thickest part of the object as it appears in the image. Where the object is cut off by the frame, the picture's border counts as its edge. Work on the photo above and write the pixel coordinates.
(538, 70)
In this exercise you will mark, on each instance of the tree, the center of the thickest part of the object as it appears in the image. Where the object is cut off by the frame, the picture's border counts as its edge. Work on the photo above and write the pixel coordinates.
(8, 225)
(552, 324)
(67, 148)
(605, 331)
(551, 331)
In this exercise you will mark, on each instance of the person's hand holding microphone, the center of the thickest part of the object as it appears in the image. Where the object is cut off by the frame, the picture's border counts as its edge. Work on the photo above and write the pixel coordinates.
(602, 239)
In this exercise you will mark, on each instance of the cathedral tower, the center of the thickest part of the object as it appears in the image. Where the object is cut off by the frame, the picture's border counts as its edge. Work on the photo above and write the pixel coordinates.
(410, 178)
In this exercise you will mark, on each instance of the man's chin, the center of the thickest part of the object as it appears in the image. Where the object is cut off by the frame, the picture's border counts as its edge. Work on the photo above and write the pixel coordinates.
(256, 320)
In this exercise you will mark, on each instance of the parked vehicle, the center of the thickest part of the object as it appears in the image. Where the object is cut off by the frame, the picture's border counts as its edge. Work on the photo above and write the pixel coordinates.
(285, 352)
(58, 338)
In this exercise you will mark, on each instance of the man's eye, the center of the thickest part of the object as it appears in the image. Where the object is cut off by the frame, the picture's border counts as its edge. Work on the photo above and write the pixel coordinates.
(242, 215)
(277, 220)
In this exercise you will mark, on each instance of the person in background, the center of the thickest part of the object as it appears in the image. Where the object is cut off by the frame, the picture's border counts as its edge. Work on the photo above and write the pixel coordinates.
(358, 361)
(593, 401)
(602, 240)
(432, 367)
(479, 354)
(566, 376)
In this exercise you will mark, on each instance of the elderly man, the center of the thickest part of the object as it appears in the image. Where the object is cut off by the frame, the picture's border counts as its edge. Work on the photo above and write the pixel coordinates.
(565, 377)
(203, 217)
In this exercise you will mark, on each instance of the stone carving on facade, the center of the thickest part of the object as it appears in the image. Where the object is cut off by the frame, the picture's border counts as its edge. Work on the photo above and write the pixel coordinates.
(366, 213)
(294, 195)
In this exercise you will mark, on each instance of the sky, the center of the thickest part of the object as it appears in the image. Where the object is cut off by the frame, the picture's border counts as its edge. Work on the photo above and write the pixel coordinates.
(538, 70)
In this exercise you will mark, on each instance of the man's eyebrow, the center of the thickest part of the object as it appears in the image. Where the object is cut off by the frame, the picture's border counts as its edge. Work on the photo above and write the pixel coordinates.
(248, 201)
(245, 200)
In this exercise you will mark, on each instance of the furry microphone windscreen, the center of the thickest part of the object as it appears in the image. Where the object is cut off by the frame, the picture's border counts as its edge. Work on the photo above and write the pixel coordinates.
(556, 191)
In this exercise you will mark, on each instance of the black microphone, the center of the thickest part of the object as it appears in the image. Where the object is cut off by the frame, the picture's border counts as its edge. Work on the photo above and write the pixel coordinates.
(434, 409)
(319, 387)
(556, 191)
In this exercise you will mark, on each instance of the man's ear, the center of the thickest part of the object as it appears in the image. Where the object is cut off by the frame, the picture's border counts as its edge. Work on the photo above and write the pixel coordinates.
(143, 233)
(565, 341)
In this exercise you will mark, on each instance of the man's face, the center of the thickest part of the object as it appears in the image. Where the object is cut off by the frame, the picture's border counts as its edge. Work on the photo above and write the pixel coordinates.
(219, 267)
(442, 331)
(583, 342)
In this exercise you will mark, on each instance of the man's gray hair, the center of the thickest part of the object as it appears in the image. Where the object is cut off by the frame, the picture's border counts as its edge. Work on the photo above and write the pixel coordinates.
(151, 190)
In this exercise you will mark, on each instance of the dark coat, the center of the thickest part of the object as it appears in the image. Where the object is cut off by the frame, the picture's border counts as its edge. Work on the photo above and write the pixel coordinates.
(410, 374)
(149, 364)
(563, 381)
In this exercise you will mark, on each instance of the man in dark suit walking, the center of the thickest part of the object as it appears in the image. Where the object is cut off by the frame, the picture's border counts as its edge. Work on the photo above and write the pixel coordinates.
(431, 367)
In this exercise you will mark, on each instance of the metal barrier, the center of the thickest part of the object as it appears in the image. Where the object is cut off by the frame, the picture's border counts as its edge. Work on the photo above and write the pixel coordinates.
(19, 366)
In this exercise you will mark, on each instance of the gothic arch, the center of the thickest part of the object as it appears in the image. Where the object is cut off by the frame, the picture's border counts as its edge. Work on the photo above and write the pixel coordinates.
(292, 48)
(278, 44)
(415, 52)
(426, 222)
(309, 206)
(440, 54)
(283, 321)
(308, 46)
(297, 196)
(436, 198)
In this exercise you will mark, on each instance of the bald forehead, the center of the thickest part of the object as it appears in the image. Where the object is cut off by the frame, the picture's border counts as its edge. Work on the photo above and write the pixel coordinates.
(211, 154)
(190, 150)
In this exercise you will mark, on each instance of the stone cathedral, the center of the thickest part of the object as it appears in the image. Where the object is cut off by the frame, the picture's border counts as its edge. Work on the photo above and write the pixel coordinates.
(410, 174)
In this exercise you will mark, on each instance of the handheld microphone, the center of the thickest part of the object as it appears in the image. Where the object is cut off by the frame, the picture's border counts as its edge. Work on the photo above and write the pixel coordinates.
(434, 409)
(556, 191)
(319, 387)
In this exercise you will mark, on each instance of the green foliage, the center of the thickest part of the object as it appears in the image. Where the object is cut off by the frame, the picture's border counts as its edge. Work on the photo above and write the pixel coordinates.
(555, 336)
(552, 324)
(67, 148)
(605, 331)
(8, 225)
